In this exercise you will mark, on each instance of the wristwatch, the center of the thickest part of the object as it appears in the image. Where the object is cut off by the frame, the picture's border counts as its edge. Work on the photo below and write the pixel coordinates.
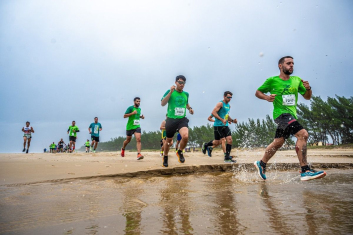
(308, 89)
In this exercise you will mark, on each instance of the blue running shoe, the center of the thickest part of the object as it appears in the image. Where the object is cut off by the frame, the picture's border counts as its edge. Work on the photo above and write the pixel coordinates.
(312, 174)
(209, 151)
(260, 170)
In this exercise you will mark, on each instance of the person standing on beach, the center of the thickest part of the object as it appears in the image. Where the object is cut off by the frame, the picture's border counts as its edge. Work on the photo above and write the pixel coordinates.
(178, 101)
(72, 131)
(284, 91)
(133, 127)
(221, 129)
(94, 130)
(27, 136)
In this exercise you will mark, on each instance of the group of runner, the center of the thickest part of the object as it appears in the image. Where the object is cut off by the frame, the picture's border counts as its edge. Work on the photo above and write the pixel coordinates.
(283, 91)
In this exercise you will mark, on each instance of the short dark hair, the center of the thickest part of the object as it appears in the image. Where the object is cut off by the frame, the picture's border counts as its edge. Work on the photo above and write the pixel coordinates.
(136, 98)
(28, 122)
(284, 57)
(95, 117)
(227, 92)
(73, 121)
(182, 77)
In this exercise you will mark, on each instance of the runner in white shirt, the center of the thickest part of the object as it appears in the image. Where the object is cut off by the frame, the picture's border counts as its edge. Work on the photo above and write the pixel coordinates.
(27, 136)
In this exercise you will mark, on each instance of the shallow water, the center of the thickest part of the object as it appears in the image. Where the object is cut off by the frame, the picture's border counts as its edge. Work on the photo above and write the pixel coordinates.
(220, 203)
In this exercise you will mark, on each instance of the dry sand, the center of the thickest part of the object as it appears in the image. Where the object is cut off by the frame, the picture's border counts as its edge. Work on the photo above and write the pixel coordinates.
(41, 167)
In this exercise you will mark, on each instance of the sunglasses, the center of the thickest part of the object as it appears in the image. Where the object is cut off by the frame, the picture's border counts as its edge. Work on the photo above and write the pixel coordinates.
(229, 97)
(181, 82)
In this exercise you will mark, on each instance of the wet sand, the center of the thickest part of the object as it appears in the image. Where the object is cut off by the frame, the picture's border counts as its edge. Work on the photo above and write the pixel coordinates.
(43, 167)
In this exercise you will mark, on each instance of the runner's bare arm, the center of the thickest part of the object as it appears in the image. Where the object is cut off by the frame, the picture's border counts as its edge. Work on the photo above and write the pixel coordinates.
(269, 98)
(129, 114)
(308, 92)
(32, 130)
(142, 117)
(216, 109)
(89, 130)
(162, 126)
(210, 119)
(166, 99)
(23, 129)
(191, 111)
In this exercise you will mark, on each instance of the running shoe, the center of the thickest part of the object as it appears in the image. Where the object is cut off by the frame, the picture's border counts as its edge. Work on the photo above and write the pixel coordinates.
(122, 152)
(260, 170)
(165, 161)
(209, 151)
(139, 156)
(161, 154)
(229, 160)
(94, 151)
(90, 148)
(180, 156)
(27, 151)
(204, 147)
(24, 149)
(312, 174)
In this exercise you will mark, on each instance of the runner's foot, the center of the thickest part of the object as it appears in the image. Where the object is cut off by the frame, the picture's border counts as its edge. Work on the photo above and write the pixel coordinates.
(180, 156)
(204, 147)
(24, 149)
(165, 161)
(209, 151)
(27, 151)
(139, 156)
(229, 160)
(122, 152)
(312, 174)
(260, 170)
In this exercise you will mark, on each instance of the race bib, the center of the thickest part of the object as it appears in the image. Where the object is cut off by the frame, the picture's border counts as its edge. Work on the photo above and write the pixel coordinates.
(179, 111)
(288, 100)
(136, 122)
(95, 131)
(72, 134)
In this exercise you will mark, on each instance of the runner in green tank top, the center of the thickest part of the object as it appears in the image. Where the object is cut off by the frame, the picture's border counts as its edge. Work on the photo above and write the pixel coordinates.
(284, 91)
(178, 102)
(133, 127)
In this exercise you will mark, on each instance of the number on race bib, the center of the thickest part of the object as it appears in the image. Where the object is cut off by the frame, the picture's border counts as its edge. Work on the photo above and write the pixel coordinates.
(136, 122)
(179, 111)
(95, 129)
(288, 100)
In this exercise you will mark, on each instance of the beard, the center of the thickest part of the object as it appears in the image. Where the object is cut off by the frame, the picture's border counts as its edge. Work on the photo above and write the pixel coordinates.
(137, 105)
(287, 72)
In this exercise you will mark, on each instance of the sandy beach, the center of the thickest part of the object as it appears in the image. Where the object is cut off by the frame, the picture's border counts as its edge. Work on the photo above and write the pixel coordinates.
(41, 167)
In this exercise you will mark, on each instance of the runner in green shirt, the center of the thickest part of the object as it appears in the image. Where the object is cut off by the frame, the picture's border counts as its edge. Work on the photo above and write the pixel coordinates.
(52, 147)
(87, 145)
(133, 127)
(284, 91)
(178, 102)
(73, 129)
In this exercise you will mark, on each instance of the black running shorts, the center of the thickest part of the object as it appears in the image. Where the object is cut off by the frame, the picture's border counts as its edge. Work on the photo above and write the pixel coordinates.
(95, 138)
(221, 132)
(72, 138)
(173, 125)
(133, 131)
(287, 125)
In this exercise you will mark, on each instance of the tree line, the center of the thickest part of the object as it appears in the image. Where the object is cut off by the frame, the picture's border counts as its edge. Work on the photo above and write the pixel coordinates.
(324, 120)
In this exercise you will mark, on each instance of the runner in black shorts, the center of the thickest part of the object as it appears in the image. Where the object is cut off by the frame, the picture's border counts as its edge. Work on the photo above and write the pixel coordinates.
(221, 129)
(178, 102)
(284, 91)
(61, 145)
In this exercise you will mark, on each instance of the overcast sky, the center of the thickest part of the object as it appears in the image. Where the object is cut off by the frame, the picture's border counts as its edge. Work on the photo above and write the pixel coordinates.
(74, 60)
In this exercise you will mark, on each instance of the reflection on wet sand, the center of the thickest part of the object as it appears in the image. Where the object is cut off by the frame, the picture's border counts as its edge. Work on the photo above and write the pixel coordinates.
(175, 203)
(132, 207)
(276, 219)
(194, 204)
(225, 211)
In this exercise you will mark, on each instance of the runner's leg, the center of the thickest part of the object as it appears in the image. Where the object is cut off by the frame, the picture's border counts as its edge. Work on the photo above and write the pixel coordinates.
(272, 149)
(301, 146)
(138, 141)
(184, 132)
(128, 139)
